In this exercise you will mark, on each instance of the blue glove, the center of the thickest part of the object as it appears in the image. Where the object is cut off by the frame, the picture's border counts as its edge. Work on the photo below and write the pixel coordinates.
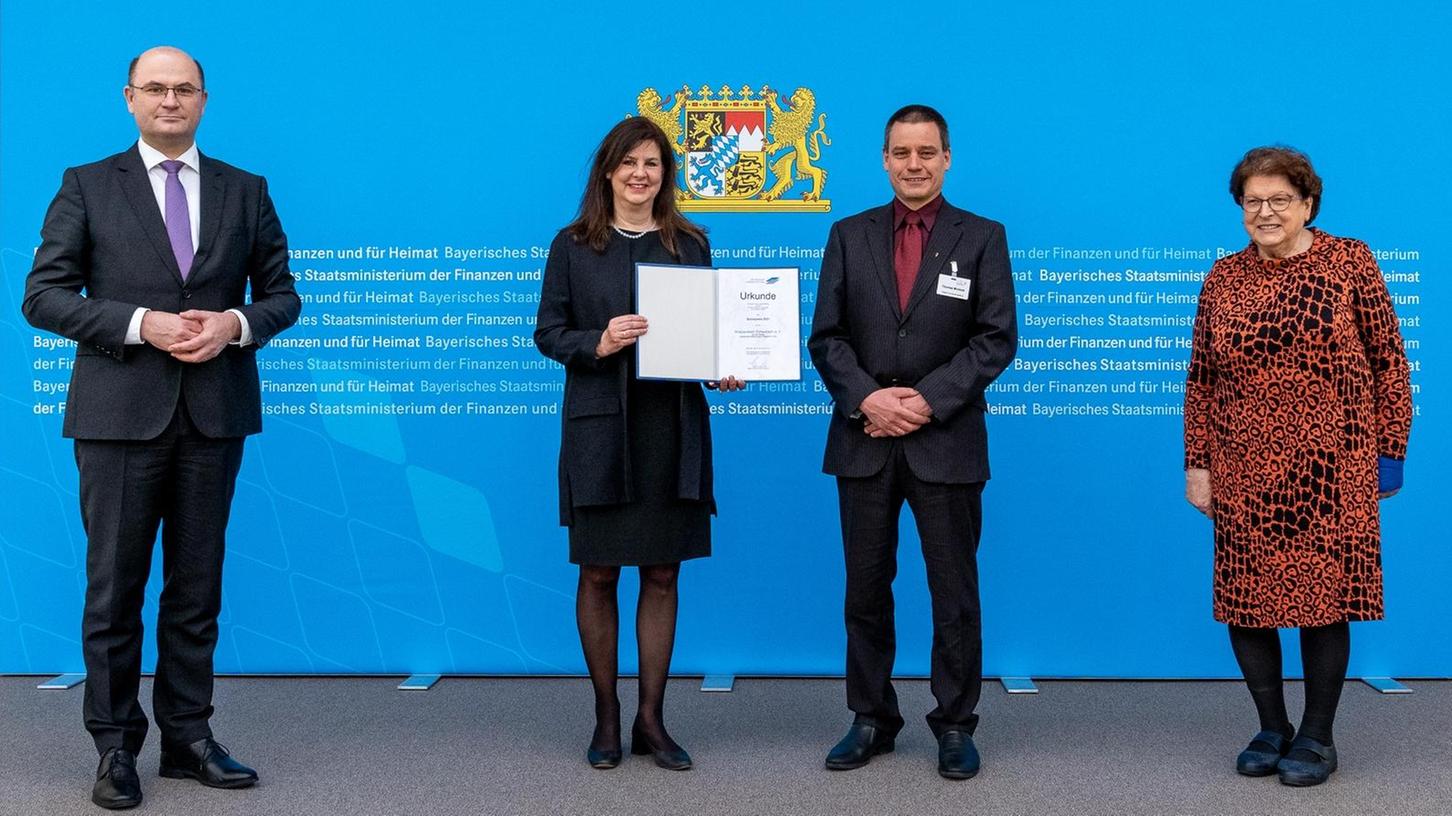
(1388, 474)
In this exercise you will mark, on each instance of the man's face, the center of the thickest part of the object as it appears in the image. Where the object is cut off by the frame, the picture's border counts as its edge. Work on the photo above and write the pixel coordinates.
(166, 119)
(915, 162)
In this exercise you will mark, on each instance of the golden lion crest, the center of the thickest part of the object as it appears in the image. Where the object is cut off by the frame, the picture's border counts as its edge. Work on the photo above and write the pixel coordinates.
(742, 151)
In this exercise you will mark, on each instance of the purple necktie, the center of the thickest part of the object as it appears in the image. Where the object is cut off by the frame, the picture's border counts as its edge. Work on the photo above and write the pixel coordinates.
(178, 217)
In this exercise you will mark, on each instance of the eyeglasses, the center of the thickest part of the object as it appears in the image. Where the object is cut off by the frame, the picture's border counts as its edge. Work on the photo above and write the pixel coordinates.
(184, 93)
(1278, 203)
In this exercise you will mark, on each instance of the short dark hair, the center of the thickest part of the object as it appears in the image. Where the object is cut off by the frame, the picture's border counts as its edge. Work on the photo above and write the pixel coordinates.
(910, 114)
(131, 69)
(1278, 160)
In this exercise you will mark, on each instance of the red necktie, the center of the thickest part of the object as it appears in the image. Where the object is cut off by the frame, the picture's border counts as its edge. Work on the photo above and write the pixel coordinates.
(907, 257)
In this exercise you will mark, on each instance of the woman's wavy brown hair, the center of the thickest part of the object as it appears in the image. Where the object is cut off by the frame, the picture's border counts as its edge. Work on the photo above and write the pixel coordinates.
(597, 205)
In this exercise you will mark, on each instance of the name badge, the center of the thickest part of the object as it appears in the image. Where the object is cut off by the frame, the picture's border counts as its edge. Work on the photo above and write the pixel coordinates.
(953, 286)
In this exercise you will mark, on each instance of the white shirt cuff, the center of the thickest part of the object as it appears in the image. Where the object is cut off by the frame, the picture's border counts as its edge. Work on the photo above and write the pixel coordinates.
(133, 331)
(246, 337)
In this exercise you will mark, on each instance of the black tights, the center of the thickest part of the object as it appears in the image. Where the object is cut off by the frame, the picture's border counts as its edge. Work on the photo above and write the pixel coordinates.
(597, 612)
(1324, 654)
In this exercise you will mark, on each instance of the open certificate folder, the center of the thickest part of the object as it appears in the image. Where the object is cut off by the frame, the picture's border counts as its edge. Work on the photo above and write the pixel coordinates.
(708, 324)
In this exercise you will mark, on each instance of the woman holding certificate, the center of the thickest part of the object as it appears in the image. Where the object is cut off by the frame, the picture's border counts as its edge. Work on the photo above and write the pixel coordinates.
(635, 455)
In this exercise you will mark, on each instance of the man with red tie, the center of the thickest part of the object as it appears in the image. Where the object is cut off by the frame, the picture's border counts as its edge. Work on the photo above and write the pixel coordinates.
(147, 260)
(914, 319)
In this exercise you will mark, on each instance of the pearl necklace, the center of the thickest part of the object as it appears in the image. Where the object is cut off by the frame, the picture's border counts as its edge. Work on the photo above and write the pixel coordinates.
(633, 235)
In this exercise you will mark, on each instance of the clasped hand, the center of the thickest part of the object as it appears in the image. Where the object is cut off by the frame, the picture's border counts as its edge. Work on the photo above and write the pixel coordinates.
(896, 411)
(194, 336)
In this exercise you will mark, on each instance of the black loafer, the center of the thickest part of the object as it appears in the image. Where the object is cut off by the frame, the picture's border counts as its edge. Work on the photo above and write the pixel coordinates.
(1302, 773)
(862, 743)
(207, 762)
(1263, 754)
(671, 757)
(957, 755)
(603, 758)
(117, 785)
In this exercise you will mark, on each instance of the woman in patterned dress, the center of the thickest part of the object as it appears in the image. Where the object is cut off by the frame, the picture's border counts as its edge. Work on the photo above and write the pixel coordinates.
(1297, 412)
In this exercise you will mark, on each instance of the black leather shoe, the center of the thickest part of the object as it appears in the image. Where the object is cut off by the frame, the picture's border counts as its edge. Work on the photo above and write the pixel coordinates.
(957, 755)
(1301, 773)
(207, 762)
(117, 785)
(1263, 753)
(603, 758)
(672, 757)
(862, 743)
(604, 752)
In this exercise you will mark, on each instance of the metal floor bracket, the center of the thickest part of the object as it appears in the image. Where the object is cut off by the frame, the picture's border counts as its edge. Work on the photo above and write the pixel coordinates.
(1019, 685)
(419, 682)
(718, 682)
(1386, 685)
(63, 681)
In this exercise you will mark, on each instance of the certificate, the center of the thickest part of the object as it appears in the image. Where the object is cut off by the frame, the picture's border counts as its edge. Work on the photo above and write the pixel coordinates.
(708, 324)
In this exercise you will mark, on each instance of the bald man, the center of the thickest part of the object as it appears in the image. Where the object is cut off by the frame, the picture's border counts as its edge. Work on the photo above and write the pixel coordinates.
(146, 261)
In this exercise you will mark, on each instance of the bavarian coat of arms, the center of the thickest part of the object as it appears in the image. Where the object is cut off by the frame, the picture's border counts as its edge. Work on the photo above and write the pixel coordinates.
(743, 150)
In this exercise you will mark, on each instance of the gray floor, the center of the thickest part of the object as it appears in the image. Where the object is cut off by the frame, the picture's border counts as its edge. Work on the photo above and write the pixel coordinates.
(515, 746)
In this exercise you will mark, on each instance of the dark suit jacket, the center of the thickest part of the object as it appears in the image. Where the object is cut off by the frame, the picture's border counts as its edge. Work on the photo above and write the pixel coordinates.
(948, 349)
(104, 251)
(581, 292)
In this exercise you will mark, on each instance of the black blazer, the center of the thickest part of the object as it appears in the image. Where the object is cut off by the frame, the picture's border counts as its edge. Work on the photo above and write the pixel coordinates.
(582, 290)
(948, 349)
(104, 252)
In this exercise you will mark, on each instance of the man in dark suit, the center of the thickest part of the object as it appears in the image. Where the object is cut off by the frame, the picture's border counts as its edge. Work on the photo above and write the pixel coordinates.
(914, 319)
(145, 261)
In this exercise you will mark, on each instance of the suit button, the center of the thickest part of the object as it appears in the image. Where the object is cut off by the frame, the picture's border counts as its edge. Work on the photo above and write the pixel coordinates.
(186, 295)
(902, 332)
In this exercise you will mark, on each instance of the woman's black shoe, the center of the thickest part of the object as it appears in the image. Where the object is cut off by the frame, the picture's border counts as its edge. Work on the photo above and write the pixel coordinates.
(603, 758)
(672, 757)
(1301, 773)
(1263, 754)
(604, 752)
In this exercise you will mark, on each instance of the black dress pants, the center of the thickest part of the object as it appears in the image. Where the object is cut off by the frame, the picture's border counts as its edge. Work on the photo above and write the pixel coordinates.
(948, 518)
(182, 482)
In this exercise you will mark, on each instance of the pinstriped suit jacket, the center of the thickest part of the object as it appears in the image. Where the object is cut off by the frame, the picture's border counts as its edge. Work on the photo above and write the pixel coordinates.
(950, 350)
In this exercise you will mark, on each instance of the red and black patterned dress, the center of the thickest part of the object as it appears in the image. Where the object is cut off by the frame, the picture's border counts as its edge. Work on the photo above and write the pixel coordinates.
(1298, 382)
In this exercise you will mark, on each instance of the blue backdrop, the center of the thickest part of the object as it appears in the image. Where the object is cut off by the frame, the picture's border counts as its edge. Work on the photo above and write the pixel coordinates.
(426, 540)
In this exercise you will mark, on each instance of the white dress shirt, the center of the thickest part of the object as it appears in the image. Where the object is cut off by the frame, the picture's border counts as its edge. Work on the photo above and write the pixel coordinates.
(191, 182)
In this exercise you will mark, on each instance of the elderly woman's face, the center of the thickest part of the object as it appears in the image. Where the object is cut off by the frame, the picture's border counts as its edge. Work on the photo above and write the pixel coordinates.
(1276, 234)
